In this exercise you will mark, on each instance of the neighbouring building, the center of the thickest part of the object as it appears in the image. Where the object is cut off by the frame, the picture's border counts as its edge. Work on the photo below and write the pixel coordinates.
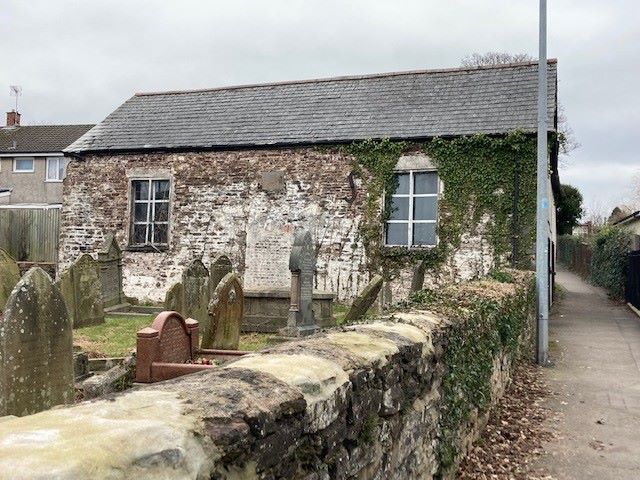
(584, 229)
(32, 164)
(236, 170)
(32, 169)
(629, 219)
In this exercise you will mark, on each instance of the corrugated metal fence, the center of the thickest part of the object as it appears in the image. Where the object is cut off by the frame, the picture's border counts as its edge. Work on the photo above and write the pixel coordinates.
(30, 234)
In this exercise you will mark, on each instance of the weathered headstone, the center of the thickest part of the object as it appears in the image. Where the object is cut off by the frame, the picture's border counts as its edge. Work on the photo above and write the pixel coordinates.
(9, 276)
(302, 264)
(225, 312)
(36, 348)
(195, 280)
(171, 342)
(220, 266)
(110, 260)
(81, 289)
(363, 302)
(174, 298)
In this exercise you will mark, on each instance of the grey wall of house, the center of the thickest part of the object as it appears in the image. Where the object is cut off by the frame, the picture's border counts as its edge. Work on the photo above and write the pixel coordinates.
(29, 187)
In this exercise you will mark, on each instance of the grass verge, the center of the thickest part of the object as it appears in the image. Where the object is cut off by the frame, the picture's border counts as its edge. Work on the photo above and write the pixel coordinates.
(116, 337)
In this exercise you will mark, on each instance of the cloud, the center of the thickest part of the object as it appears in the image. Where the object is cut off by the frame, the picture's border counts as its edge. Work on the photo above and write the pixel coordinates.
(78, 60)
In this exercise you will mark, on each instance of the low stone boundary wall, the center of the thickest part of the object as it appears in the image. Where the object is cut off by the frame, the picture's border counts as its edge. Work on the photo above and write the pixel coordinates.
(400, 398)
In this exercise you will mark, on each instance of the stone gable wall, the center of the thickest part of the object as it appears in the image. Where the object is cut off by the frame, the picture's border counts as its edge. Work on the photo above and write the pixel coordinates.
(228, 202)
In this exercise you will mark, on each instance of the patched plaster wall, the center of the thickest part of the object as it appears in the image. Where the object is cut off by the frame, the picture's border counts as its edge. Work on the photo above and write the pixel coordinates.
(246, 204)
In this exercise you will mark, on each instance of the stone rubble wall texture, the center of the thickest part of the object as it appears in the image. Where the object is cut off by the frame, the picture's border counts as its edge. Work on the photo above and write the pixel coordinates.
(361, 402)
(219, 205)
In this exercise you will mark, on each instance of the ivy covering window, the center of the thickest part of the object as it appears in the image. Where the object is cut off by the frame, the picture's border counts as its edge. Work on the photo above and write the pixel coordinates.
(55, 169)
(413, 210)
(149, 213)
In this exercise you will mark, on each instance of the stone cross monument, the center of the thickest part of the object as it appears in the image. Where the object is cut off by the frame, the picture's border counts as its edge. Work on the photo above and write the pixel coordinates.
(302, 264)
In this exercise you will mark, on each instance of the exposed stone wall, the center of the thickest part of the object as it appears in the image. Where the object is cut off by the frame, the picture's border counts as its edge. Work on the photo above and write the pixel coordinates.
(363, 402)
(246, 204)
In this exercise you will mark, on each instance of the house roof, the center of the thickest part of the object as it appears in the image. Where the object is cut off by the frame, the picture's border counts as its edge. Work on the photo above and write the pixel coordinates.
(403, 105)
(630, 217)
(39, 138)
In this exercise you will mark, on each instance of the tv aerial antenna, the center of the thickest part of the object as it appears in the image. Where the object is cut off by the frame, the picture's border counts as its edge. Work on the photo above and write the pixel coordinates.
(16, 91)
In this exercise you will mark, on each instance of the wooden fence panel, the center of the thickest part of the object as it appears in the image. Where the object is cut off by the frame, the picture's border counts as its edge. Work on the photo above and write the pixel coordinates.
(30, 234)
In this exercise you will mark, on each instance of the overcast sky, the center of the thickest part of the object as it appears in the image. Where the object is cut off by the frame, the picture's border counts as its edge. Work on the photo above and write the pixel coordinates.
(78, 60)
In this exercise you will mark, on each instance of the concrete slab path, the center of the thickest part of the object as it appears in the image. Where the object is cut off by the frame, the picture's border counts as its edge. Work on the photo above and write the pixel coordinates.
(595, 344)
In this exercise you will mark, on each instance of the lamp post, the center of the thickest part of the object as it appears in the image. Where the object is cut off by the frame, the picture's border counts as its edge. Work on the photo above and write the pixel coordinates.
(542, 209)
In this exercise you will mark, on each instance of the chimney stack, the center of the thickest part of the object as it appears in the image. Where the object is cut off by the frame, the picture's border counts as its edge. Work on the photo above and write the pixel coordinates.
(13, 119)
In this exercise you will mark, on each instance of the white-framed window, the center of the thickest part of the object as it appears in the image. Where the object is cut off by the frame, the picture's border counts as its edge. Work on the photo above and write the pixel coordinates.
(413, 210)
(55, 169)
(149, 212)
(23, 164)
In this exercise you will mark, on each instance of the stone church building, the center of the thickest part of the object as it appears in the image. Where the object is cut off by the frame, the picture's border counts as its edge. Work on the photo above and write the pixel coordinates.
(236, 170)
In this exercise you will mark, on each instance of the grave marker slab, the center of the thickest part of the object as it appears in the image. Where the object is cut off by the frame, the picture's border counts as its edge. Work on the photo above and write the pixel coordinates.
(110, 260)
(195, 280)
(220, 266)
(365, 300)
(174, 298)
(302, 264)
(225, 311)
(36, 348)
(169, 348)
(9, 276)
(81, 289)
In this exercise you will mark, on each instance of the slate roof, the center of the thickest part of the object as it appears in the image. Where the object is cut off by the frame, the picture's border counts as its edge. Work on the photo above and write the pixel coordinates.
(39, 138)
(403, 105)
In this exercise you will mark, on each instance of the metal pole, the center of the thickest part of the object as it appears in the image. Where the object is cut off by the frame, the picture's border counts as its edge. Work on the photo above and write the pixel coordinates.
(542, 211)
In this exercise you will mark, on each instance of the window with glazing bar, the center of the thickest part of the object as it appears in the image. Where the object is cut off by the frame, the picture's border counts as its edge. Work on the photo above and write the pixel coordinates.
(149, 213)
(413, 210)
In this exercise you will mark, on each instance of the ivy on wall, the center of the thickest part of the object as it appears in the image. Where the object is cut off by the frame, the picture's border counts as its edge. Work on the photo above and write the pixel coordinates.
(485, 324)
(481, 175)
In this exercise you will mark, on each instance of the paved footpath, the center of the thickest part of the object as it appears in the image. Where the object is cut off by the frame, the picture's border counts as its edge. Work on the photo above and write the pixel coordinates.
(595, 344)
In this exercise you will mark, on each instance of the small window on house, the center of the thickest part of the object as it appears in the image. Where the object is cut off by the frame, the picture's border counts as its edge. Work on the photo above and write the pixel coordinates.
(23, 164)
(149, 213)
(55, 169)
(413, 210)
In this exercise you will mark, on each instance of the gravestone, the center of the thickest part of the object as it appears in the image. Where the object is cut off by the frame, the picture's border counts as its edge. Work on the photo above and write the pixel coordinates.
(225, 312)
(220, 266)
(363, 302)
(302, 264)
(170, 341)
(174, 298)
(36, 348)
(81, 289)
(9, 276)
(110, 261)
(195, 280)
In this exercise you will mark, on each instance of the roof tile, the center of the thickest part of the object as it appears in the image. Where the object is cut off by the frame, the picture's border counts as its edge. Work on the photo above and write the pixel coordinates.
(407, 105)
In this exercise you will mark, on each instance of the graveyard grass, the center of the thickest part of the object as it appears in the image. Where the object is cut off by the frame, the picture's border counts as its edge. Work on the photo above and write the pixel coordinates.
(117, 336)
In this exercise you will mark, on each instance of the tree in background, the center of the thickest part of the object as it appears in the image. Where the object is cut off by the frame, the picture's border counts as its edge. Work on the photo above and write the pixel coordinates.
(569, 209)
(566, 138)
(495, 58)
